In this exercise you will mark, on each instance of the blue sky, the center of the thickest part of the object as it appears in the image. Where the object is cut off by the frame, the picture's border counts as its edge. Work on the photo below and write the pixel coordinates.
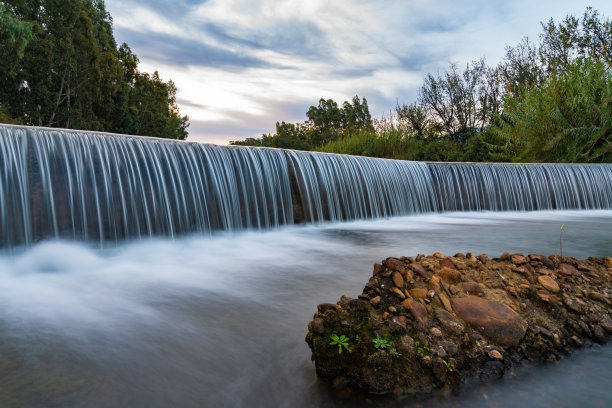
(242, 65)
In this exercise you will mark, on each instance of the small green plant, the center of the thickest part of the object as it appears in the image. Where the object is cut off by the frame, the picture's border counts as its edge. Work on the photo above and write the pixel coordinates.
(380, 343)
(422, 349)
(448, 366)
(341, 341)
(357, 338)
(394, 354)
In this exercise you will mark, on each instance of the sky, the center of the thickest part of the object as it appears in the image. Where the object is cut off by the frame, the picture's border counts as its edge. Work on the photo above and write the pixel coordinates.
(242, 65)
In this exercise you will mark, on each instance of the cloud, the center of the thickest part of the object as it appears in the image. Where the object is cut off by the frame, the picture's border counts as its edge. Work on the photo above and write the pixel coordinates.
(242, 65)
(180, 51)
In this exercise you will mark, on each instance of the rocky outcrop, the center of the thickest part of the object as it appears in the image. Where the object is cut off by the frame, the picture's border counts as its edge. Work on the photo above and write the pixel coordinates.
(438, 322)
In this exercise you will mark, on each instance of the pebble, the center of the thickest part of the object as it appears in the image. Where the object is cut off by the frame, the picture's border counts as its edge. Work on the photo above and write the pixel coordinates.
(436, 332)
(450, 275)
(556, 341)
(398, 280)
(397, 292)
(494, 354)
(375, 301)
(445, 302)
(549, 283)
(418, 293)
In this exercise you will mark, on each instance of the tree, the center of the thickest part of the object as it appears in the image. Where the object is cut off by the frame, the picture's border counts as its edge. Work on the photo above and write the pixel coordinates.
(566, 119)
(414, 120)
(461, 103)
(70, 73)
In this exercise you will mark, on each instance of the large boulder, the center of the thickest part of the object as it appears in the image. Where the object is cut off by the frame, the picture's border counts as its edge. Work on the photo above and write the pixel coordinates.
(494, 320)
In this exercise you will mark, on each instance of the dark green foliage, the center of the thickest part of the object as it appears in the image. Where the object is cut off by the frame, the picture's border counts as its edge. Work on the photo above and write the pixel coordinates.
(64, 69)
(566, 119)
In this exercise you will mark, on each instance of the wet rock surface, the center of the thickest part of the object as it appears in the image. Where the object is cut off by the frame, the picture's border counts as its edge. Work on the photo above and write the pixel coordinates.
(437, 322)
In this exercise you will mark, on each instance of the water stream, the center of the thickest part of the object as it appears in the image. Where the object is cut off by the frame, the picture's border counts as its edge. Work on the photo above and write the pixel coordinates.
(140, 272)
(220, 321)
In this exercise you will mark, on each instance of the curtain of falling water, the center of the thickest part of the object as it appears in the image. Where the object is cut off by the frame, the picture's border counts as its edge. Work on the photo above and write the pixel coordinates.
(94, 186)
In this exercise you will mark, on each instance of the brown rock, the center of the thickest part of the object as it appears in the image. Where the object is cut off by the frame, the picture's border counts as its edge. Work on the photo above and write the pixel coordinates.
(494, 320)
(436, 332)
(407, 303)
(445, 302)
(438, 254)
(567, 269)
(419, 312)
(378, 269)
(547, 262)
(453, 289)
(449, 323)
(573, 305)
(418, 293)
(504, 257)
(607, 261)
(419, 270)
(606, 323)
(434, 283)
(398, 293)
(535, 257)
(582, 268)
(397, 279)
(392, 309)
(394, 264)
(318, 325)
(518, 259)
(599, 297)
(450, 276)
(496, 355)
(483, 258)
(549, 283)
(473, 288)
(447, 261)
(400, 320)
(375, 301)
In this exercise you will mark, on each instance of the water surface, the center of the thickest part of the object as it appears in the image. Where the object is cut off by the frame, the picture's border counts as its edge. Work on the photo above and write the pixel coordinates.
(220, 321)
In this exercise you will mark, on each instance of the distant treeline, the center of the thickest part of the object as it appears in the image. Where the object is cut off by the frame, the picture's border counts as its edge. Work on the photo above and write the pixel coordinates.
(61, 67)
(549, 101)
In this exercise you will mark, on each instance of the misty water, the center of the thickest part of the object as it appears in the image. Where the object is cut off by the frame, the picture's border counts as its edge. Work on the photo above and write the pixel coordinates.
(220, 321)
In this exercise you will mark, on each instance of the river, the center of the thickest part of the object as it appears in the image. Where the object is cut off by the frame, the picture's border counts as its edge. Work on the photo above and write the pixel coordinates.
(216, 321)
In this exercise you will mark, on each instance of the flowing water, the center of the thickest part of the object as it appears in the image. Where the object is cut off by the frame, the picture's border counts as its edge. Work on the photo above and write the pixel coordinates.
(139, 272)
(220, 321)
(104, 187)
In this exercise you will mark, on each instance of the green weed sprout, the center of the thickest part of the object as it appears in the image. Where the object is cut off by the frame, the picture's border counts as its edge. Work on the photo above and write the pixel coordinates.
(341, 341)
(380, 343)
(448, 366)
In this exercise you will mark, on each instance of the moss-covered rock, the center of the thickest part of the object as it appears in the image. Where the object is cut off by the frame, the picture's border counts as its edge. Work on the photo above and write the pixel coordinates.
(430, 322)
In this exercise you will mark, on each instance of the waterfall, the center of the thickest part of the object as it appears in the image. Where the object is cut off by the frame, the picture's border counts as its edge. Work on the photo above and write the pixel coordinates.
(105, 187)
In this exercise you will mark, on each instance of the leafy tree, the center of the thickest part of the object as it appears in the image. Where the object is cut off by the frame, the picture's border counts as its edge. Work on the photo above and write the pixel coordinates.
(414, 119)
(566, 119)
(68, 72)
(461, 103)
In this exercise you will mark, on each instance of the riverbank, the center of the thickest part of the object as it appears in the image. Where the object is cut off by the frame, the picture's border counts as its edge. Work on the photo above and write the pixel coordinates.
(436, 322)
